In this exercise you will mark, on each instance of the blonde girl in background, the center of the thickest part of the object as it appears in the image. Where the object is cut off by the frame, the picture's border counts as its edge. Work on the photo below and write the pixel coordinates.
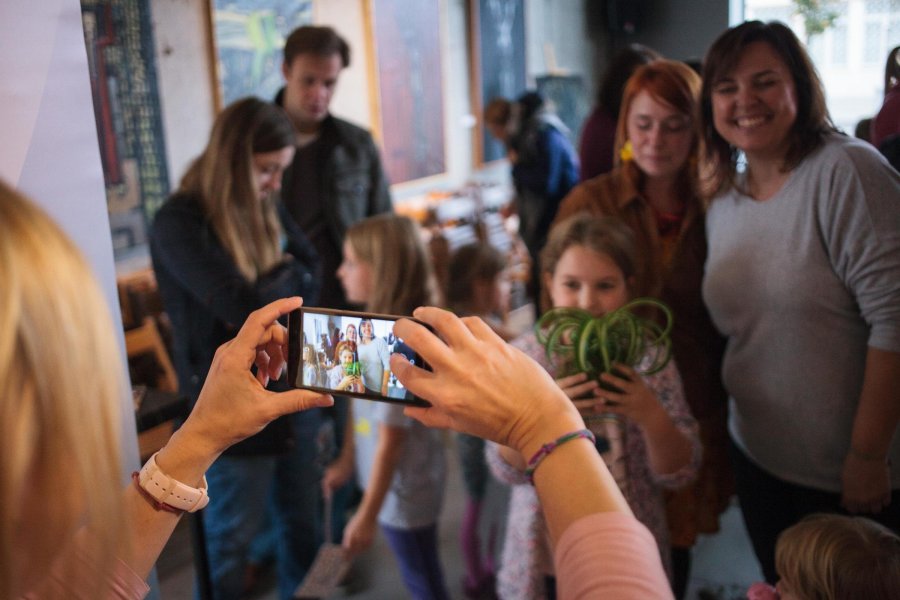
(832, 557)
(399, 462)
(589, 263)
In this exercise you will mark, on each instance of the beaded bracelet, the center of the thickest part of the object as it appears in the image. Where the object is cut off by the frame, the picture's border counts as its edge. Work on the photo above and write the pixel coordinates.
(548, 448)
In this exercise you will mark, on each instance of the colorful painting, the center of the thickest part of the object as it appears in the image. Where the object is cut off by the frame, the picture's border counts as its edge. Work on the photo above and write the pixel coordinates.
(249, 37)
(410, 87)
(121, 60)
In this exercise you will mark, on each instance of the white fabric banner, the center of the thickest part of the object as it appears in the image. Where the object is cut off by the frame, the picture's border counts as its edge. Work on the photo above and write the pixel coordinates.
(48, 140)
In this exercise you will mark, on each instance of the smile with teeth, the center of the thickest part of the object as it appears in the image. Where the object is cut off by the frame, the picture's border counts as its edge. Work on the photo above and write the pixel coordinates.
(747, 122)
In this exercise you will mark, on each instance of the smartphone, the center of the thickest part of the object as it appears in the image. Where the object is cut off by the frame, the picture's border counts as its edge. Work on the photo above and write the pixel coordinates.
(347, 353)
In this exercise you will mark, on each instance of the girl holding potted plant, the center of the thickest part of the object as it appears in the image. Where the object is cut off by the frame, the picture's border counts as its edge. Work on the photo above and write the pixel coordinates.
(655, 190)
(589, 264)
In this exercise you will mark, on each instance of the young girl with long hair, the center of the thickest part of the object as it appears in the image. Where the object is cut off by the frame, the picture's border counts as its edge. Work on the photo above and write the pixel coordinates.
(400, 463)
(223, 246)
(589, 263)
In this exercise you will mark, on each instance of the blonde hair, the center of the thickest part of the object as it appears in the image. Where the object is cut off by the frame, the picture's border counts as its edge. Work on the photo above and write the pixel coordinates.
(401, 268)
(60, 391)
(604, 235)
(832, 557)
(222, 178)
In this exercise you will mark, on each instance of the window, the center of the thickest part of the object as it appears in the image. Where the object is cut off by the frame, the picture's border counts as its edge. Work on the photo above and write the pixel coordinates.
(849, 55)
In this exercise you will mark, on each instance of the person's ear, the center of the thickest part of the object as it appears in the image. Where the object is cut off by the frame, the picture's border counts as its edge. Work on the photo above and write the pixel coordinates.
(547, 278)
(285, 69)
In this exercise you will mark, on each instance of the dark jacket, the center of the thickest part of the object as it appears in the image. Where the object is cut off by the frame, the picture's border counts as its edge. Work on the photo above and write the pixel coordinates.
(207, 299)
(352, 186)
(545, 170)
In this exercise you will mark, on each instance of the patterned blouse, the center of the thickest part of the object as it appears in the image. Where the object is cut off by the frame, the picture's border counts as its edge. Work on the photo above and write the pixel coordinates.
(527, 559)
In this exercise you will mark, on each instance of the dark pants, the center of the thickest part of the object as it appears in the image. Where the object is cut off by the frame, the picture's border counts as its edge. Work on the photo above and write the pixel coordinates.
(417, 555)
(770, 505)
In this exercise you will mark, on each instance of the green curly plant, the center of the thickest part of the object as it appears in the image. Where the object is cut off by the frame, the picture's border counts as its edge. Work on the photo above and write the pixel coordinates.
(353, 369)
(595, 344)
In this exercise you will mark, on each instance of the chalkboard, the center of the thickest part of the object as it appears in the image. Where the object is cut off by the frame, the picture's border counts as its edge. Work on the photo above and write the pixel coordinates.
(498, 57)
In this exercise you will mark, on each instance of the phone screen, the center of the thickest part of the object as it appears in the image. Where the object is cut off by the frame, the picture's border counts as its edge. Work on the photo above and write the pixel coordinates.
(347, 353)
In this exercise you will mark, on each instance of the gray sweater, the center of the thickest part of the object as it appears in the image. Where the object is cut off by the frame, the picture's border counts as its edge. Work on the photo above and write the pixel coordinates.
(802, 284)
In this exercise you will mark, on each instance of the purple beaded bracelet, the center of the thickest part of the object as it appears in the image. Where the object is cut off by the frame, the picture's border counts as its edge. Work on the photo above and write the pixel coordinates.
(548, 448)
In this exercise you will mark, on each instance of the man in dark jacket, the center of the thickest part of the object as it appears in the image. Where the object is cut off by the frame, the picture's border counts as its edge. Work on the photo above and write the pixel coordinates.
(336, 178)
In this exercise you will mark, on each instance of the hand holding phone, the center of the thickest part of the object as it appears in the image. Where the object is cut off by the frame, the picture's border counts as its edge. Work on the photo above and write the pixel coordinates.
(348, 353)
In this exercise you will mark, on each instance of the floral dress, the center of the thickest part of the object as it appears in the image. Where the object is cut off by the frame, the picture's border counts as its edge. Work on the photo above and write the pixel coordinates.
(526, 559)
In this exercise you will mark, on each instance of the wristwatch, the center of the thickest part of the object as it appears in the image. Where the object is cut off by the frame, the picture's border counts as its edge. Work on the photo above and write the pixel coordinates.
(171, 492)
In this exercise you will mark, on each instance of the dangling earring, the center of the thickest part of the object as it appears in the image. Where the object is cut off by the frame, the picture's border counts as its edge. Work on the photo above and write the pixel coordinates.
(627, 152)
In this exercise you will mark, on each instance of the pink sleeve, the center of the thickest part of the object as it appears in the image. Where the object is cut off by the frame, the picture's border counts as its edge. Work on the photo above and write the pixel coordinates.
(609, 555)
(80, 581)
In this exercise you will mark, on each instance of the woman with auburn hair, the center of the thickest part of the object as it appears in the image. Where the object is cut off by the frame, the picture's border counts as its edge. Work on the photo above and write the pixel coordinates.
(803, 277)
(655, 190)
(223, 246)
(95, 540)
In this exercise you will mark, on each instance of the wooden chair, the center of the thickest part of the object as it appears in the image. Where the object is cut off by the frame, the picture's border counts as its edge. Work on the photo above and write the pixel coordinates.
(144, 344)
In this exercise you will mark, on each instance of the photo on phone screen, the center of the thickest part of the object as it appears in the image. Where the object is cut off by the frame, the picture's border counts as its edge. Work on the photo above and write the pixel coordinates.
(347, 353)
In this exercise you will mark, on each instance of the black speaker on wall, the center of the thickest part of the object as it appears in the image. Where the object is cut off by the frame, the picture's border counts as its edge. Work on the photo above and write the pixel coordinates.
(623, 16)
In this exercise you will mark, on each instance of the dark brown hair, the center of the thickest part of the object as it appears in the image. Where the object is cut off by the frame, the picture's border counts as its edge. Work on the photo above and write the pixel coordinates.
(498, 112)
(222, 178)
(623, 65)
(470, 263)
(321, 41)
(892, 70)
(812, 123)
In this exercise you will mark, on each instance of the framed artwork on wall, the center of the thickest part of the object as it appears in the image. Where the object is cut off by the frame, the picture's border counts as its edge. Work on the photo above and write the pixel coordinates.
(406, 48)
(497, 56)
(249, 36)
(121, 61)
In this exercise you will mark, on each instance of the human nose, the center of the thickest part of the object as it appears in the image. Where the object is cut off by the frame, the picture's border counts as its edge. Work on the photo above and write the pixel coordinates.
(588, 300)
(655, 134)
(275, 182)
(745, 95)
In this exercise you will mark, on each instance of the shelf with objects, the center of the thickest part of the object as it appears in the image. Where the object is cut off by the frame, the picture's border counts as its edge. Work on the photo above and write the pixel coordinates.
(475, 212)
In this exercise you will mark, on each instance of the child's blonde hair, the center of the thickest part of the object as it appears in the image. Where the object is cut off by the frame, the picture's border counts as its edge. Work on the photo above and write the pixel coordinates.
(834, 557)
(603, 235)
(401, 267)
(60, 393)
